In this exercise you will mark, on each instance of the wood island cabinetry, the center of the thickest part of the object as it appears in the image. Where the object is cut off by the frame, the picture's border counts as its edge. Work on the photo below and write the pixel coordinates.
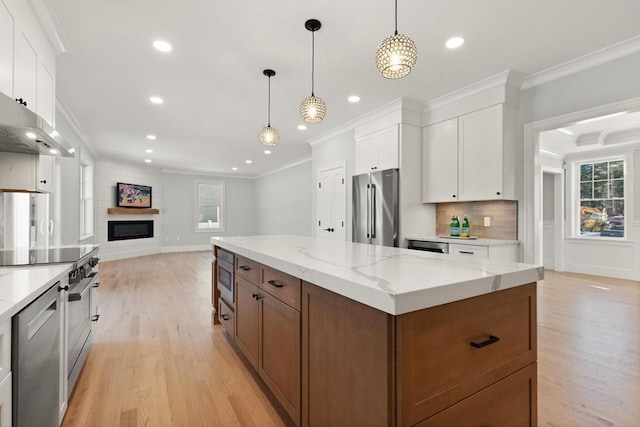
(333, 361)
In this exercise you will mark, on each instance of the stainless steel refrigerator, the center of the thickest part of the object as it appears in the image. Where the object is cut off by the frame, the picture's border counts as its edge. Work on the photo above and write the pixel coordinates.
(375, 208)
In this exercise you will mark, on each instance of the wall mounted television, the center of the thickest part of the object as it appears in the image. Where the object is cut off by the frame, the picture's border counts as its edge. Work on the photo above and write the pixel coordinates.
(133, 196)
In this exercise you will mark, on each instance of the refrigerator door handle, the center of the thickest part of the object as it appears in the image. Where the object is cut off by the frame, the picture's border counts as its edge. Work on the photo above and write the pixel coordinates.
(373, 211)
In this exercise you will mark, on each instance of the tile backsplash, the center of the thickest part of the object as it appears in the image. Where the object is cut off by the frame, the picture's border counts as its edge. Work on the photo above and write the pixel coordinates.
(503, 214)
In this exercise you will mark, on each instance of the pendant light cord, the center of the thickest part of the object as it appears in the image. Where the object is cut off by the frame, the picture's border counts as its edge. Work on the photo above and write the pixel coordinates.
(396, 18)
(313, 56)
(269, 105)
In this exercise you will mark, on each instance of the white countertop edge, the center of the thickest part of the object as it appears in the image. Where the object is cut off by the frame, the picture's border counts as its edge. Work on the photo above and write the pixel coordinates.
(472, 242)
(40, 278)
(394, 304)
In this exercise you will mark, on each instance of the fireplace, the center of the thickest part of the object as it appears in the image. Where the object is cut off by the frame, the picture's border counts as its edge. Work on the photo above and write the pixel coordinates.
(125, 230)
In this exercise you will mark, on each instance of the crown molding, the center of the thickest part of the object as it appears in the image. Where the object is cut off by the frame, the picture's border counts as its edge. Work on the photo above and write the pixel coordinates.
(582, 63)
(397, 105)
(287, 166)
(62, 109)
(50, 25)
(500, 79)
(623, 136)
(205, 174)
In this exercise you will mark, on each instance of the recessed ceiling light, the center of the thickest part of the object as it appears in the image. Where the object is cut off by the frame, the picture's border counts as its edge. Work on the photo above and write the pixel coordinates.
(152, 137)
(162, 46)
(565, 131)
(31, 135)
(302, 127)
(147, 160)
(455, 42)
(248, 162)
(234, 168)
(53, 151)
(71, 150)
(354, 98)
(267, 151)
(148, 150)
(156, 100)
(54, 134)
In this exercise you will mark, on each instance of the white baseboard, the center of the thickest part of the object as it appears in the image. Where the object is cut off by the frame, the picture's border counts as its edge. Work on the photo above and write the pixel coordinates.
(598, 270)
(192, 248)
(112, 255)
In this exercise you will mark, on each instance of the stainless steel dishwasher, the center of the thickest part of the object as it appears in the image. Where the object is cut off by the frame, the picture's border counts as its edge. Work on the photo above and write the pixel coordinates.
(35, 361)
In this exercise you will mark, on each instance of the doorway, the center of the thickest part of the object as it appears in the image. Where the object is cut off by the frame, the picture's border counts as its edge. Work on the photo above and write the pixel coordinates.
(332, 201)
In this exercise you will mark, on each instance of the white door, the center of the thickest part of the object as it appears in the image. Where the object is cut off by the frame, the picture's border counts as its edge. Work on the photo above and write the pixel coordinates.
(332, 202)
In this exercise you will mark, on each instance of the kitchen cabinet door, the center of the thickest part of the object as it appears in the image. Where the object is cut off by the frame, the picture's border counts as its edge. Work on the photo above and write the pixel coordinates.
(25, 66)
(6, 50)
(46, 167)
(440, 162)
(366, 154)
(5, 401)
(378, 151)
(248, 320)
(481, 154)
(45, 94)
(280, 353)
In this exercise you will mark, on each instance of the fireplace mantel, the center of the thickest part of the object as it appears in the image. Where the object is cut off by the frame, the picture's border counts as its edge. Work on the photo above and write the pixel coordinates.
(132, 211)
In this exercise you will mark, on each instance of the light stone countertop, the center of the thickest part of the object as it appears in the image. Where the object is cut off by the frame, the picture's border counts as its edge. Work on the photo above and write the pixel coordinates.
(463, 241)
(19, 286)
(392, 280)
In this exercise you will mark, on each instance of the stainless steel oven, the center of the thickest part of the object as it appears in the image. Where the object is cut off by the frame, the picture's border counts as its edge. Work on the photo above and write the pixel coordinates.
(225, 262)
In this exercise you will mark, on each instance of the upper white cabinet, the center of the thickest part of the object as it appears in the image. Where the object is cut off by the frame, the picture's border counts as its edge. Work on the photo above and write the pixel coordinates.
(6, 50)
(470, 157)
(31, 172)
(27, 60)
(378, 150)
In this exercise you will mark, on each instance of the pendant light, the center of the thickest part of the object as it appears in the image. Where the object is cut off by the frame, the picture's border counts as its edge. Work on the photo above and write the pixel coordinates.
(397, 54)
(269, 136)
(312, 108)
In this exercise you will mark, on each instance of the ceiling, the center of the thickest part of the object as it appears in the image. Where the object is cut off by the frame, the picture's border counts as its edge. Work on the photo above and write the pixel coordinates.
(619, 129)
(215, 95)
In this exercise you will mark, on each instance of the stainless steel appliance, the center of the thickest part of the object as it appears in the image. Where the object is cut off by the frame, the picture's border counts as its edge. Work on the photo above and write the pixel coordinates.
(375, 208)
(23, 131)
(82, 280)
(224, 274)
(36, 361)
(25, 220)
(423, 245)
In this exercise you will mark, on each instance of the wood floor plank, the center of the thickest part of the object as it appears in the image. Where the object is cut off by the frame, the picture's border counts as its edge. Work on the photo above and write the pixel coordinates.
(158, 360)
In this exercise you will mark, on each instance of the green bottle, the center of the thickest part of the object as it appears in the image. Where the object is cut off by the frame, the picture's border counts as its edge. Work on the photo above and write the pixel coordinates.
(454, 227)
(465, 227)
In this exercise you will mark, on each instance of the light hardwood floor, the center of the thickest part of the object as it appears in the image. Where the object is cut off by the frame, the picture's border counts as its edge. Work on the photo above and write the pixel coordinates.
(157, 360)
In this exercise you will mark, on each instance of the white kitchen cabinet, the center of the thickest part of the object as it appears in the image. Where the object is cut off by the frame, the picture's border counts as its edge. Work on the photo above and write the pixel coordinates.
(5, 373)
(378, 151)
(6, 50)
(27, 61)
(497, 252)
(5, 401)
(484, 167)
(30, 172)
(440, 162)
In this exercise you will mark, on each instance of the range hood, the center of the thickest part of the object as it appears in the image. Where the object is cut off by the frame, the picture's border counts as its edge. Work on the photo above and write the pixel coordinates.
(23, 131)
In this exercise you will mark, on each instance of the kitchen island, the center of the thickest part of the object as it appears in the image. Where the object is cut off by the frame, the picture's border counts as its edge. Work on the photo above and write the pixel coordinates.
(384, 336)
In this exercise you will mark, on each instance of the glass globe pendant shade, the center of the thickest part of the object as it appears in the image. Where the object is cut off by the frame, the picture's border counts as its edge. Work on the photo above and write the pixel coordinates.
(269, 136)
(396, 56)
(312, 109)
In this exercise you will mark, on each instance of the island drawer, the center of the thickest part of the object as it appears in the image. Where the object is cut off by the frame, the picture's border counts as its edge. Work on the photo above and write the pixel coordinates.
(283, 286)
(248, 269)
(227, 318)
(449, 352)
(469, 250)
(509, 402)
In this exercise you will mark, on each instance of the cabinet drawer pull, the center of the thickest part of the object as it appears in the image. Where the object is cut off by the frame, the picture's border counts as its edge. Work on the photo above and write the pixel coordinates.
(275, 284)
(244, 268)
(225, 317)
(465, 252)
(491, 340)
(257, 297)
(95, 318)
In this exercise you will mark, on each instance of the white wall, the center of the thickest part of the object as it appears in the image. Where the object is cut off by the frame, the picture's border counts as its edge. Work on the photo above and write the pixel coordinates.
(548, 207)
(283, 200)
(109, 173)
(178, 210)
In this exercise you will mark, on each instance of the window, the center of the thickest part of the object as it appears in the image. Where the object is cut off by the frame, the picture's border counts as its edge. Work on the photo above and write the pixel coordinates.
(209, 205)
(601, 210)
(86, 198)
